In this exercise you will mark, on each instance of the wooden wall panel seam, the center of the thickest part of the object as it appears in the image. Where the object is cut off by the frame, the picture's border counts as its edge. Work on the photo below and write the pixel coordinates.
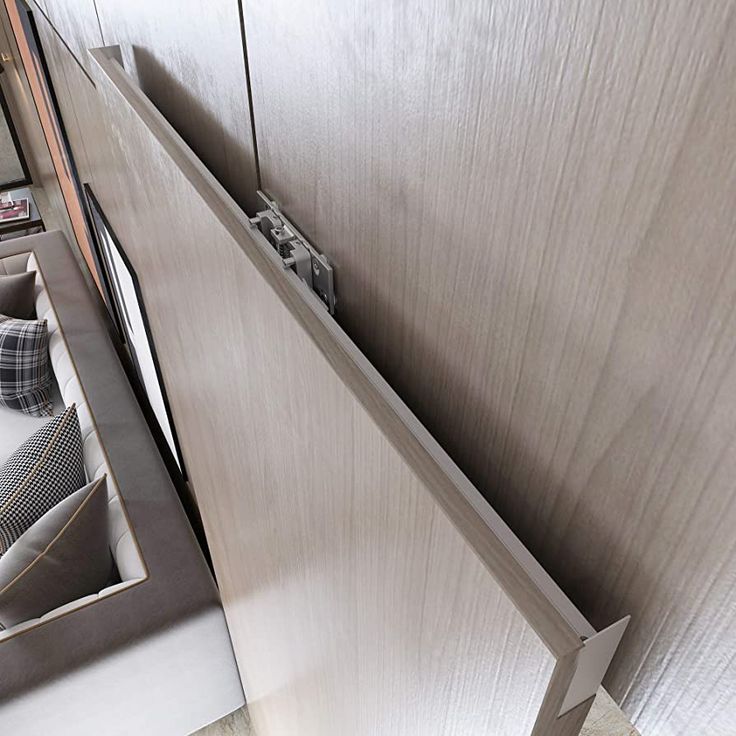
(188, 59)
(251, 111)
(61, 39)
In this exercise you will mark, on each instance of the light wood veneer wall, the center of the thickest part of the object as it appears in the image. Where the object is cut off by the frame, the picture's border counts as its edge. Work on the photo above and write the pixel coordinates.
(530, 208)
(364, 592)
(188, 57)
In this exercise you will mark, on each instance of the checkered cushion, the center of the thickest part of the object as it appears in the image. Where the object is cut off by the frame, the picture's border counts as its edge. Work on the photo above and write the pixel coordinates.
(25, 377)
(45, 469)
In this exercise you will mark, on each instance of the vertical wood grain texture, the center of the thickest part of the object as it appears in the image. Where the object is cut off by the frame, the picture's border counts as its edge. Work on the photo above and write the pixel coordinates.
(66, 75)
(530, 206)
(77, 23)
(79, 104)
(188, 58)
(355, 606)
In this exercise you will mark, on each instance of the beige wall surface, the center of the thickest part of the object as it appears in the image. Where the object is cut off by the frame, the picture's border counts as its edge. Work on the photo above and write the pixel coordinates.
(530, 210)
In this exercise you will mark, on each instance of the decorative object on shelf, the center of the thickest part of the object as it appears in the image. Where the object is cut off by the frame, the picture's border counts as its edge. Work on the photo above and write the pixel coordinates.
(15, 210)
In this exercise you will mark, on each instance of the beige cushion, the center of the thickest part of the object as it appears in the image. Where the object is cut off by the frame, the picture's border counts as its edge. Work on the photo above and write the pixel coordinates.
(64, 556)
(15, 428)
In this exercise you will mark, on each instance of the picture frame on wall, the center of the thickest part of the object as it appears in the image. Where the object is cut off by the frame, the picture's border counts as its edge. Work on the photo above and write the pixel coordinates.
(124, 301)
(15, 211)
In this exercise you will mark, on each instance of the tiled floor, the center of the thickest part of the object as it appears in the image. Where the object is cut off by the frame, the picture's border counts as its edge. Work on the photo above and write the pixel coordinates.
(605, 719)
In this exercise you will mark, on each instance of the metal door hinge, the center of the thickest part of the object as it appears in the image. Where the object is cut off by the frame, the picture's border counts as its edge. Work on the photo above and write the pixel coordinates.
(296, 252)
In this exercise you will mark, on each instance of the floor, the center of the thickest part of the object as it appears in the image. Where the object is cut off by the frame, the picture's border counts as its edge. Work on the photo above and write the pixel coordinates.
(236, 724)
(605, 719)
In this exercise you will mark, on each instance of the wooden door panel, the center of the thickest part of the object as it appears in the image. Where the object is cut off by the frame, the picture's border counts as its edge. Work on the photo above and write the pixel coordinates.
(368, 587)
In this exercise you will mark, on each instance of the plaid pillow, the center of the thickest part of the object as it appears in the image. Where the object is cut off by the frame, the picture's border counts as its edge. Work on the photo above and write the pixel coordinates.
(25, 377)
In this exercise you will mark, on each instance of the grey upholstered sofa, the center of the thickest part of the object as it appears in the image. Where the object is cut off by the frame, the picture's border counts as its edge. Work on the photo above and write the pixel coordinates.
(149, 654)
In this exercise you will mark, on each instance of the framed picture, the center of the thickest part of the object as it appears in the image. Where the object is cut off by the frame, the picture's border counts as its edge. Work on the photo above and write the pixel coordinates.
(15, 211)
(122, 295)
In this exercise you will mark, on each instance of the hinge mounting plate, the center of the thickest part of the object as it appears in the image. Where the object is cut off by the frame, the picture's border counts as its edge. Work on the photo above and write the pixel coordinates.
(296, 253)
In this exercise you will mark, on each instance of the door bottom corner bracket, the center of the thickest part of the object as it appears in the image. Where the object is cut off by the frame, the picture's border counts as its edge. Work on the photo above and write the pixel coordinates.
(296, 253)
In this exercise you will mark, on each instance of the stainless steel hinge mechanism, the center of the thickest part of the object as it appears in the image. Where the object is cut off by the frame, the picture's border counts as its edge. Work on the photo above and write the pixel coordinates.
(296, 252)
